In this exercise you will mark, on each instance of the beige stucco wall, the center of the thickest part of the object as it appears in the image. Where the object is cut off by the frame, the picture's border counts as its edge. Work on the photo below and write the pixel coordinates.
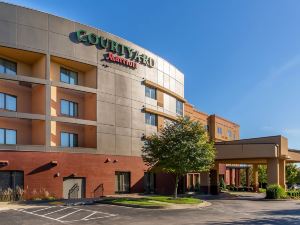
(113, 95)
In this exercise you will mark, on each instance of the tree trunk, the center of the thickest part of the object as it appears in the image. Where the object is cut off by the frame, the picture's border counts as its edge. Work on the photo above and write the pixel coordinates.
(176, 185)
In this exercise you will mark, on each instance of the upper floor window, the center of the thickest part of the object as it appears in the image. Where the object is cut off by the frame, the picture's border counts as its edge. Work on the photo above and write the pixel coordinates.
(68, 108)
(150, 119)
(8, 136)
(220, 130)
(229, 133)
(150, 92)
(68, 76)
(8, 102)
(68, 139)
(179, 107)
(8, 67)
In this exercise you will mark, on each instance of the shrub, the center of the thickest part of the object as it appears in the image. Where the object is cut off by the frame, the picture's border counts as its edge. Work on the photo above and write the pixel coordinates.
(295, 194)
(222, 184)
(262, 190)
(11, 195)
(275, 191)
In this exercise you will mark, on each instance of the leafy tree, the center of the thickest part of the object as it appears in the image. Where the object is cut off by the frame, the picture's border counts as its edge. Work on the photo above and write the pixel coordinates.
(262, 174)
(180, 147)
(292, 173)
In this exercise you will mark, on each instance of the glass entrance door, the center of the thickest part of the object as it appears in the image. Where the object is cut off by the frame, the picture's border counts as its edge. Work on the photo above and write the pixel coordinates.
(122, 182)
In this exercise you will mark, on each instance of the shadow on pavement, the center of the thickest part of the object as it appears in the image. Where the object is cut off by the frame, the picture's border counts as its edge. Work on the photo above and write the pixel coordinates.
(285, 217)
(281, 221)
(228, 196)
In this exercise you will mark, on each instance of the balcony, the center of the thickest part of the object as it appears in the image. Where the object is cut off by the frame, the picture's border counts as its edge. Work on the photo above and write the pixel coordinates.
(85, 75)
(85, 104)
(23, 63)
(87, 135)
(27, 98)
(18, 133)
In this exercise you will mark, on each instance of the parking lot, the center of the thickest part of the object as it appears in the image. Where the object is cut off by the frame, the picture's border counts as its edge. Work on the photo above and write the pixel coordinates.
(66, 214)
(222, 211)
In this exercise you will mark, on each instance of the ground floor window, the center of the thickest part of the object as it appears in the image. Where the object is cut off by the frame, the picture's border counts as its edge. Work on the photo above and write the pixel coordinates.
(149, 182)
(122, 182)
(193, 182)
(11, 185)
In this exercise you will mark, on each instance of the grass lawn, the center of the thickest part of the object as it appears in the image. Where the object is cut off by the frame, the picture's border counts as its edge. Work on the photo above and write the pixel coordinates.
(154, 201)
(178, 200)
(139, 202)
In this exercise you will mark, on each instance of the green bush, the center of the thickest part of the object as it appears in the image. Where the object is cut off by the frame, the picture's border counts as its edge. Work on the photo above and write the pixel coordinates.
(222, 184)
(262, 190)
(275, 191)
(295, 194)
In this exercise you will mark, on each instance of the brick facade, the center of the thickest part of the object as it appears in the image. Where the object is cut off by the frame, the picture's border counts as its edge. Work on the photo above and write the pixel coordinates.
(97, 169)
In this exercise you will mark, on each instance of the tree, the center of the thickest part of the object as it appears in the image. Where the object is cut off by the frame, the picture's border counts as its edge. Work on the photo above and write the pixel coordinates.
(291, 173)
(262, 174)
(180, 147)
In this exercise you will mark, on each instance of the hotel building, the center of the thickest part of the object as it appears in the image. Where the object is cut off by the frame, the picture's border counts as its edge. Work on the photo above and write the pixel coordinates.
(75, 104)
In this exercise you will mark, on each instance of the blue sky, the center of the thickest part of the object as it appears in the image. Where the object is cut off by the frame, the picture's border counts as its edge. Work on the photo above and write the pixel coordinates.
(241, 59)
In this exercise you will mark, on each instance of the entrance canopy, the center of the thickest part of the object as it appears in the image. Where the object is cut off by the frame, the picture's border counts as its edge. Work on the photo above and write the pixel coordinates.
(272, 151)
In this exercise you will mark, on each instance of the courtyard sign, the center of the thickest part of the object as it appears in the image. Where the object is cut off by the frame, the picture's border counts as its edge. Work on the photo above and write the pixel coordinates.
(132, 57)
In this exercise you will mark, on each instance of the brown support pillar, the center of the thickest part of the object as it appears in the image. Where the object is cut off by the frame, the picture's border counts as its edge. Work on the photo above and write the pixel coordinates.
(231, 176)
(237, 177)
(247, 178)
(282, 181)
(273, 171)
(255, 178)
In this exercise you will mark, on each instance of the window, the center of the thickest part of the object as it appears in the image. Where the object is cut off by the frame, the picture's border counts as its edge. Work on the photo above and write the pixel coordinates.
(68, 139)
(8, 102)
(68, 76)
(68, 108)
(150, 92)
(13, 180)
(8, 136)
(8, 67)
(150, 119)
(179, 107)
(219, 130)
(229, 133)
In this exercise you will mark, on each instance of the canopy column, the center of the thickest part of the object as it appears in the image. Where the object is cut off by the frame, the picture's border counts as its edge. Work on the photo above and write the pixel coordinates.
(255, 178)
(273, 171)
(282, 164)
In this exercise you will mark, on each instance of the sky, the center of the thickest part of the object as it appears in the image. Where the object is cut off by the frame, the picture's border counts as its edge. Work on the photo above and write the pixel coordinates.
(241, 59)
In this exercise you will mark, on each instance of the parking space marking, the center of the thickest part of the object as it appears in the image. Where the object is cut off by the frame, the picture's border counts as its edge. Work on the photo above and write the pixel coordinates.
(43, 209)
(57, 211)
(63, 218)
(88, 216)
(68, 214)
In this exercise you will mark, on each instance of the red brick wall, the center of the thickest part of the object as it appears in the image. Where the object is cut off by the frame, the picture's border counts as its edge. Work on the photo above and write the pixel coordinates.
(39, 174)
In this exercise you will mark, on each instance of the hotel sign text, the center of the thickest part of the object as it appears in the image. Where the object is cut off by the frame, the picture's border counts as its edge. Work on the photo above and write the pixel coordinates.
(131, 56)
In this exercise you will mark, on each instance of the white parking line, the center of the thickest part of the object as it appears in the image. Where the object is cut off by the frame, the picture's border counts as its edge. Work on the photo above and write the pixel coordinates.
(68, 214)
(43, 209)
(88, 216)
(97, 214)
(57, 211)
